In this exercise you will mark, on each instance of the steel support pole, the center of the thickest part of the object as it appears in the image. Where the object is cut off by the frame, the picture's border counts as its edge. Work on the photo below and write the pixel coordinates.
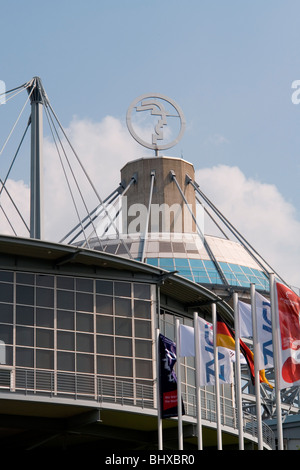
(36, 170)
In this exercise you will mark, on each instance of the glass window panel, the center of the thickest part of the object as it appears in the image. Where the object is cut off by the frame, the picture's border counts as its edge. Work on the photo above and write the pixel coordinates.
(65, 299)
(152, 261)
(142, 291)
(44, 338)
(104, 324)
(63, 282)
(185, 272)
(123, 289)
(167, 263)
(25, 315)
(24, 357)
(84, 343)
(66, 340)
(105, 345)
(85, 363)
(123, 307)
(178, 247)
(142, 309)
(44, 280)
(6, 292)
(235, 268)
(246, 269)
(123, 327)
(25, 278)
(142, 329)
(105, 366)
(169, 331)
(196, 263)
(6, 313)
(165, 247)
(7, 276)
(123, 347)
(44, 297)
(104, 287)
(104, 304)
(84, 322)
(181, 262)
(44, 359)
(25, 295)
(8, 358)
(210, 266)
(143, 349)
(84, 285)
(66, 361)
(84, 302)
(190, 376)
(24, 336)
(124, 367)
(143, 369)
(44, 317)
(65, 320)
(6, 334)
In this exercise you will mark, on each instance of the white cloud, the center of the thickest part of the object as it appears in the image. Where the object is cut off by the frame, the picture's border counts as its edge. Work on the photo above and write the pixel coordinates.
(103, 148)
(260, 213)
(10, 220)
(256, 209)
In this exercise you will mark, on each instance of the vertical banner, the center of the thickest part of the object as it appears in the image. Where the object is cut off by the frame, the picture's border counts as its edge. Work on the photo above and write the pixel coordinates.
(264, 332)
(207, 371)
(206, 353)
(288, 308)
(168, 379)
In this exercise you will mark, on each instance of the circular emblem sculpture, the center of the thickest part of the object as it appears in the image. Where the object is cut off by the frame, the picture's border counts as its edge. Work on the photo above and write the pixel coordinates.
(163, 109)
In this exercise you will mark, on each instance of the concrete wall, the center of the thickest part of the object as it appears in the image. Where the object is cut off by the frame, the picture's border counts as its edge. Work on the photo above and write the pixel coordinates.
(165, 191)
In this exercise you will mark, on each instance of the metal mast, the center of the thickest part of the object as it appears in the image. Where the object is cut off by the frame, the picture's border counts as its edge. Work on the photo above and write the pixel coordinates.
(36, 173)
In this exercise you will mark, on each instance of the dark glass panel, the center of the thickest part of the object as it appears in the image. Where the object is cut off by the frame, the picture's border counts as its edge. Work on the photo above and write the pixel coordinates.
(65, 320)
(44, 338)
(123, 307)
(84, 302)
(66, 340)
(104, 304)
(122, 289)
(104, 324)
(142, 309)
(24, 336)
(84, 343)
(84, 322)
(44, 297)
(105, 344)
(123, 347)
(123, 327)
(104, 287)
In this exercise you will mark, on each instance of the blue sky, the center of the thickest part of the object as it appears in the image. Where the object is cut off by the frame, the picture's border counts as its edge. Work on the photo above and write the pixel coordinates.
(228, 64)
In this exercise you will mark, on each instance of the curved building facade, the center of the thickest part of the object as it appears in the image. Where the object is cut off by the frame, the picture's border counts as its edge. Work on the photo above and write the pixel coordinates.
(78, 357)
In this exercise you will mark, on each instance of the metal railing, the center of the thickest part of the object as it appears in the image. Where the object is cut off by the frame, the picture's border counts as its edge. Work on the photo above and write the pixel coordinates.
(228, 416)
(122, 392)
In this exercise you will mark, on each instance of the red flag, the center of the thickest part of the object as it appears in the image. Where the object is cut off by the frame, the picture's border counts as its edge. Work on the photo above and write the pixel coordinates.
(288, 304)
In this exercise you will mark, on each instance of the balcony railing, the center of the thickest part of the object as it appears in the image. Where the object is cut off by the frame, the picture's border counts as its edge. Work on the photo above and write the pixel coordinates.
(122, 392)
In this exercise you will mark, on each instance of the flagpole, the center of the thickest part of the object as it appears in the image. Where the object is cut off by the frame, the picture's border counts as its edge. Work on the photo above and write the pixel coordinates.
(238, 386)
(179, 407)
(217, 382)
(275, 334)
(158, 393)
(198, 389)
(256, 368)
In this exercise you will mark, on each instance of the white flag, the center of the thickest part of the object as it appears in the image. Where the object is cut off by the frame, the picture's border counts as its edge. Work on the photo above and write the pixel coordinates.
(187, 341)
(207, 359)
(264, 332)
(245, 320)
